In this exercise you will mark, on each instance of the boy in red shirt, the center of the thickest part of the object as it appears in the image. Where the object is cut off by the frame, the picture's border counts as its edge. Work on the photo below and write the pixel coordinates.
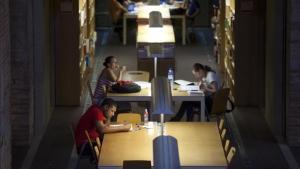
(96, 121)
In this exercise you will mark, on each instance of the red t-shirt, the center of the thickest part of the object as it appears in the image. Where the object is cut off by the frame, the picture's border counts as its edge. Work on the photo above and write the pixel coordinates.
(88, 122)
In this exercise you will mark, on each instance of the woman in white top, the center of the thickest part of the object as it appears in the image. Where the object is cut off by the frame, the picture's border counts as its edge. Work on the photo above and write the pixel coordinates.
(208, 82)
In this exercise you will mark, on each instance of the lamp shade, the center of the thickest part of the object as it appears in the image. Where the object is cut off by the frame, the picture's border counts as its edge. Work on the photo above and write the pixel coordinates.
(165, 152)
(155, 19)
(153, 2)
(161, 96)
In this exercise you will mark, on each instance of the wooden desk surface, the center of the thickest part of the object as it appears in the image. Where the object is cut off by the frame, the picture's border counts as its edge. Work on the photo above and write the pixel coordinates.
(199, 145)
(145, 95)
(155, 35)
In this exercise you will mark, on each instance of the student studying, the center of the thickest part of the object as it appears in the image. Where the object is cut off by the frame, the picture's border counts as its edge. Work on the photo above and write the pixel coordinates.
(96, 121)
(208, 83)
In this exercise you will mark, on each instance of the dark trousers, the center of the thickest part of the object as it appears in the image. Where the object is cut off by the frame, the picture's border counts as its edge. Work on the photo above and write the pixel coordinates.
(188, 107)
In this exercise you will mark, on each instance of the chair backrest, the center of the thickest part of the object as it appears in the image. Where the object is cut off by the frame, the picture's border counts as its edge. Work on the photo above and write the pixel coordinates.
(136, 76)
(221, 124)
(226, 146)
(230, 154)
(223, 134)
(88, 83)
(97, 151)
(220, 101)
(91, 144)
(136, 164)
(133, 118)
(98, 143)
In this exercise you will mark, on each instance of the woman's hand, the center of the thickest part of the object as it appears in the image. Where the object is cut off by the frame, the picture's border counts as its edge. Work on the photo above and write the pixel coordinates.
(123, 69)
(203, 87)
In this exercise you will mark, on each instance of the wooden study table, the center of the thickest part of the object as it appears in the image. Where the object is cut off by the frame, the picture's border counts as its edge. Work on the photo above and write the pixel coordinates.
(142, 11)
(145, 96)
(199, 146)
(161, 35)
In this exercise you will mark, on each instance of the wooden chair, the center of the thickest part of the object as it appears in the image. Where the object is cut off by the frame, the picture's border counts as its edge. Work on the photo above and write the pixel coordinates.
(133, 118)
(230, 154)
(95, 152)
(221, 124)
(219, 105)
(223, 134)
(136, 76)
(226, 146)
(136, 164)
(79, 151)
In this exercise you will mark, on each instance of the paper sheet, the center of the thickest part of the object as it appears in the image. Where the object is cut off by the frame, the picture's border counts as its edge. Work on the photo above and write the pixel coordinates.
(143, 84)
(183, 82)
(189, 88)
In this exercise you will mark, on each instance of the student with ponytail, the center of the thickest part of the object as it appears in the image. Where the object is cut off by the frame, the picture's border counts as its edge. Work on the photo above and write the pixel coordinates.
(208, 82)
(110, 74)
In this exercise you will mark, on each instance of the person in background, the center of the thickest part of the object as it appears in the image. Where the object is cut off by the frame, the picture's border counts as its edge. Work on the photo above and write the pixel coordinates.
(96, 120)
(117, 9)
(110, 74)
(190, 8)
(208, 82)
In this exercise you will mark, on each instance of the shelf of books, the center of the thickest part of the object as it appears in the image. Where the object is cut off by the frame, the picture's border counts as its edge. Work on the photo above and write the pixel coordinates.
(223, 23)
(87, 39)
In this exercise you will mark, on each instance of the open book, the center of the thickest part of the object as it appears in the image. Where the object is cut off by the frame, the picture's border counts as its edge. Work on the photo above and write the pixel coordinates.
(184, 82)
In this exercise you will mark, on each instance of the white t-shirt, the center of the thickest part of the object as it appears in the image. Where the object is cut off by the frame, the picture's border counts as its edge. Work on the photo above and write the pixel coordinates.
(212, 77)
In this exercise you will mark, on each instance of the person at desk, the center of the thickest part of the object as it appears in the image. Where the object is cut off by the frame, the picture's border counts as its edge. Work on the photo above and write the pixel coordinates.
(96, 120)
(110, 74)
(117, 9)
(190, 8)
(208, 83)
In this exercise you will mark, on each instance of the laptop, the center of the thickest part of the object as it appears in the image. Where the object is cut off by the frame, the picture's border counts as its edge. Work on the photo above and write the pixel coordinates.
(131, 7)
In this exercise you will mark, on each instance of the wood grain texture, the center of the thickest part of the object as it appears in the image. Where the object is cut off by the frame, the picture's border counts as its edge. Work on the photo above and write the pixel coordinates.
(199, 145)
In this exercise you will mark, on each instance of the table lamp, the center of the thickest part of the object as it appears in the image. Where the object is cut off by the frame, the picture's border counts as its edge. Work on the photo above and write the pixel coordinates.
(165, 153)
(165, 148)
(155, 50)
(155, 19)
(161, 98)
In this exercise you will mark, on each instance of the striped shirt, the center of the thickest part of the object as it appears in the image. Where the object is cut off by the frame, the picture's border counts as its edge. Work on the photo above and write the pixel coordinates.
(100, 90)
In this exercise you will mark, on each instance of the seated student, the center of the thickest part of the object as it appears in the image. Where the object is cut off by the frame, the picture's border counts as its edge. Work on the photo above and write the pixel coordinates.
(111, 73)
(96, 120)
(117, 9)
(208, 82)
(190, 8)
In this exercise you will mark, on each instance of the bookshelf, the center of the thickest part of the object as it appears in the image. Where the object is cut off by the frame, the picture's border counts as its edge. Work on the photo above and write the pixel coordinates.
(225, 43)
(87, 39)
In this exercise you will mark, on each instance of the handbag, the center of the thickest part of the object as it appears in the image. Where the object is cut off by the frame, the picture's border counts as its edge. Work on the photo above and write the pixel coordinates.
(125, 87)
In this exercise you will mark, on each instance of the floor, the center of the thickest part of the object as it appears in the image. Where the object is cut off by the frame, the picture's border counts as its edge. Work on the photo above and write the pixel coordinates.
(257, 148)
